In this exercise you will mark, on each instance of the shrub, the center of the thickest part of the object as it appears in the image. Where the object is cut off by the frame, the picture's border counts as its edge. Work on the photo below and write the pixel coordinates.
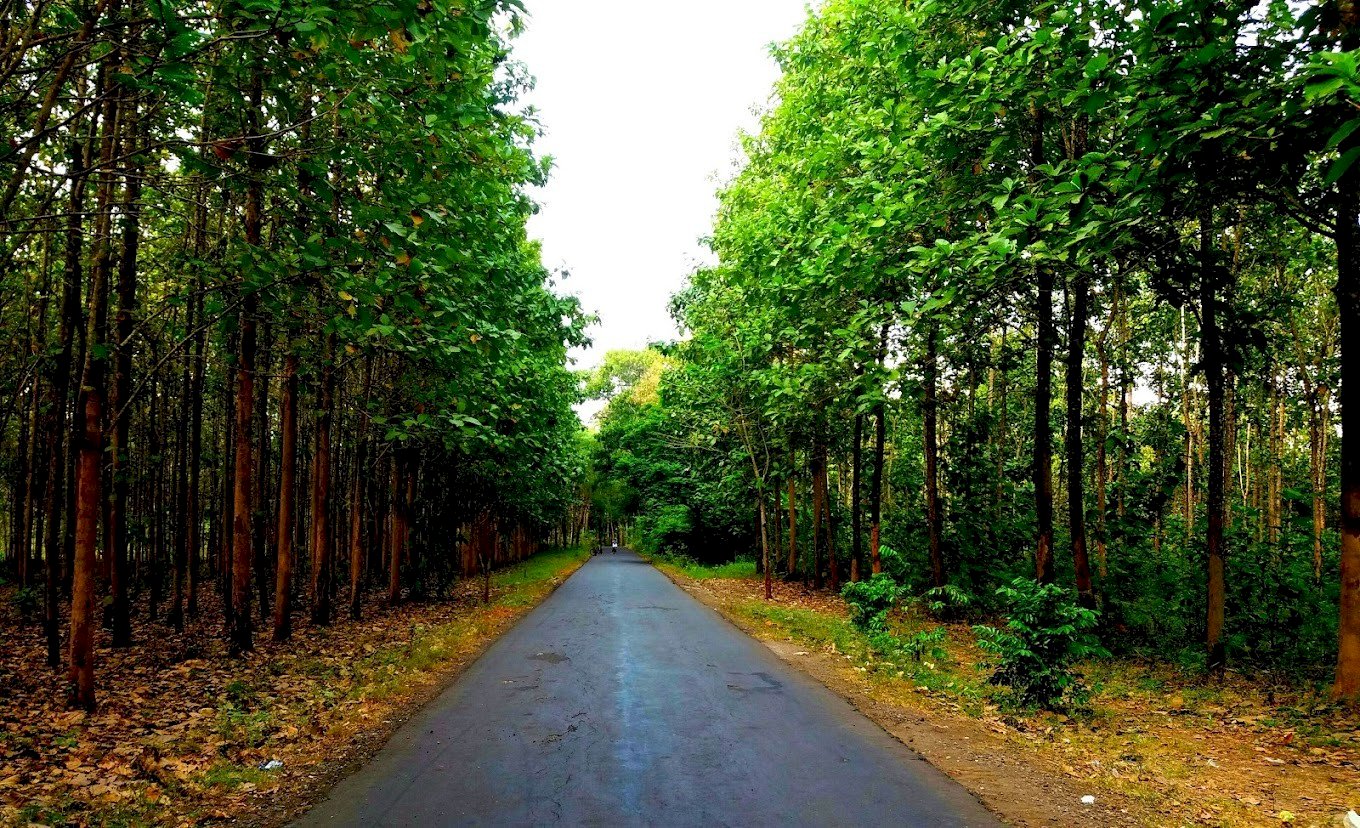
(916, 646)
(27, 600)
(1047, 632)
(894, 564)
(948, 601)
(870, 601)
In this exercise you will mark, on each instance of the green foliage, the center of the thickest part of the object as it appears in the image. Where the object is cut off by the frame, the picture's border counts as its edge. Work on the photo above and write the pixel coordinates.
(28, 601)
(1046, 633)
(917, 646)
(948, 601)
(871, 600)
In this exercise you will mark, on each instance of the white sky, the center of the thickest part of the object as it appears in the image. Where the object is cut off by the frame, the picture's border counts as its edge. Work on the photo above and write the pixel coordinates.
(641, 102)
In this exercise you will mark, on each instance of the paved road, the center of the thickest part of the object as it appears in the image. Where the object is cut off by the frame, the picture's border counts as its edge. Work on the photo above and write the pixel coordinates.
(623, 701)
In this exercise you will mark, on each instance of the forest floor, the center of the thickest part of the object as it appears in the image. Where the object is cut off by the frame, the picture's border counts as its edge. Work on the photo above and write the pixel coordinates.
(1156, 745)
(185, 735)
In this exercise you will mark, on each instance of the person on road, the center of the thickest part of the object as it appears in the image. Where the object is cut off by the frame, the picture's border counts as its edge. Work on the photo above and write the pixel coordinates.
(616, 546)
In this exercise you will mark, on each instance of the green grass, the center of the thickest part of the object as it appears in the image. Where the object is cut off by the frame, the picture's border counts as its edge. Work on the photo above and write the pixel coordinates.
(230, 775)
(693, 569)
(820, 630)
(541, 567)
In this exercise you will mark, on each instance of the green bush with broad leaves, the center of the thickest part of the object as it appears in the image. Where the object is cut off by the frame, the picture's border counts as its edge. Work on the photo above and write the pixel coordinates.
(870, 601)
(1045, 635)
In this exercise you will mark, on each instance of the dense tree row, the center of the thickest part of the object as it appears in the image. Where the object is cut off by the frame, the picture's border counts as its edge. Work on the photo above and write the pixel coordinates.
(268, 311)
(1057, 289)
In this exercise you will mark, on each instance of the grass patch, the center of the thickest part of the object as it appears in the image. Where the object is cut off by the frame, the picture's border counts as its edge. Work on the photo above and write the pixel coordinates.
(230, 776)
(691, 568)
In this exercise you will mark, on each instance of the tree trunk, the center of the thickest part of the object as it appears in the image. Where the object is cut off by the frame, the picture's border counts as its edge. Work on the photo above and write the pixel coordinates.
(1043, 393)
(793, 516)
(397, 535)
(57, 419)
(1213, 368)
(930, 412)
(856, 461)
(876, 490)
(321, 492)
(242, 554)
(1076, 490)
(283, 572)
(818, 507)
(1347, 683)
(263, 445)
(193, 540)
(356, 500)
(90, 447)
(765, 547)
(119, 403)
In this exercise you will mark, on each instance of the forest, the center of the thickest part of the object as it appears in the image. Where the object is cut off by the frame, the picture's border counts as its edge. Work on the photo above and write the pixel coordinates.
(1059, 292)
(1025, 344)
(277, 348)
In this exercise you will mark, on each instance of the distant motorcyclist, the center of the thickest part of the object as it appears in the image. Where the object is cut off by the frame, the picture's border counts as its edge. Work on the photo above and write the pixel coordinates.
(616, 546)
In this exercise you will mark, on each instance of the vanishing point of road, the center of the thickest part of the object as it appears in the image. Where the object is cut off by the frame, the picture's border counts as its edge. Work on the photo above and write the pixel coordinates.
(623, 701)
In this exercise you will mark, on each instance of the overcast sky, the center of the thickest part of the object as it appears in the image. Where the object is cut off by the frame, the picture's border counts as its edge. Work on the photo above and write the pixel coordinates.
(641, 102)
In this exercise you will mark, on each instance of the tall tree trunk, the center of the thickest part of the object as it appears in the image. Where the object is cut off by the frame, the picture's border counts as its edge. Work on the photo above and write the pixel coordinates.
(932, 450)
(193, 537)
(242, 553)
(1102, 437)
(1076, 490)
(356, 526)
(397, 534)
(1043, 392)
(283, 572)
(263, 445)
(765, 547)
(57, 419)
(119, 403)
(829, 502)
(856, 461)
(1217, 468)
(793, 515)
(1347, 684)
(818, 506)
(90, 447)
(876, 490)
(321, 491)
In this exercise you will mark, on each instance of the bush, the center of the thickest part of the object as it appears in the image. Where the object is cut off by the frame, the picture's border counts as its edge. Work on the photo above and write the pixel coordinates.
(27, 600)
(894, 564)
(948, 602)
(916, 646)
(870, 601)
(1047, 632)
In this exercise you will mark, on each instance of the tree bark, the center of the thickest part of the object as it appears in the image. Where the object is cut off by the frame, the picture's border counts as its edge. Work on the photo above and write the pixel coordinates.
(1043, 393)
(242, 553)
(1213, 368)
(856, 461)
(818, 507)
(283, 570)
(321, 491)
(90, 448)
(930, 412)
(793, 516)
(1347, 684)
(56, 417)
(1076, 490)
(119, 403)
(397, 535)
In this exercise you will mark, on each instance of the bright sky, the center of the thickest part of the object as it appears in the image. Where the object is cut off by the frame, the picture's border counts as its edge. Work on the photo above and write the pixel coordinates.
(641, 102)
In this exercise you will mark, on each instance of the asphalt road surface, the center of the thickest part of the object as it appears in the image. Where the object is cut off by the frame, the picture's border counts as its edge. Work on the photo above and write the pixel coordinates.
(623, 701)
